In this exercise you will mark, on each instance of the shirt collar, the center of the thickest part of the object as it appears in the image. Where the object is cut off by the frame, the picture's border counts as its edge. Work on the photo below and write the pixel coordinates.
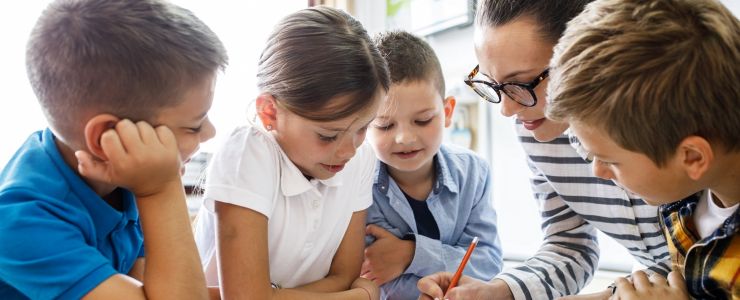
(686, 207)
(442, 177)
(104, 216)
(381, 176)
(293, 182)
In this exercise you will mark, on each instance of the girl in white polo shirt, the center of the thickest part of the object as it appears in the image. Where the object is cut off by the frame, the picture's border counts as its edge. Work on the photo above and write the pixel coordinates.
(285, 199)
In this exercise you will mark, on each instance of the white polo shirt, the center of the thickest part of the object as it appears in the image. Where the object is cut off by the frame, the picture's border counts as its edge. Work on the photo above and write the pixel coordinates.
(307, 219)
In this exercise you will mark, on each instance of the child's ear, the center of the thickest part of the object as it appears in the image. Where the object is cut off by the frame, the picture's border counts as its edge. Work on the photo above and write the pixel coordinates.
(449, 107)
(696, 156)
(94, 129)
(267, 110)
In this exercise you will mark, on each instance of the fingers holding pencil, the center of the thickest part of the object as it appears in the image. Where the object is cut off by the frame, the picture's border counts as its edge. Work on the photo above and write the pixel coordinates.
(433, 286)
(468, 288)
(438, 285)
(456, 278)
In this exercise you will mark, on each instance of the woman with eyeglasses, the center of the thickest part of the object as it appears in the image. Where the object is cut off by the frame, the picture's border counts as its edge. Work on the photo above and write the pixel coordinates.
(514, 42)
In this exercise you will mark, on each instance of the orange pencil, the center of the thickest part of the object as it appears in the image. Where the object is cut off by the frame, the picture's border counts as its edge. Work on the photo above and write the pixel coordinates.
(464, 262)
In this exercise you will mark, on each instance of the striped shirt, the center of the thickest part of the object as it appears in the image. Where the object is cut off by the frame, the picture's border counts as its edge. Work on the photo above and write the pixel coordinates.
(573, 204)
(711, 265)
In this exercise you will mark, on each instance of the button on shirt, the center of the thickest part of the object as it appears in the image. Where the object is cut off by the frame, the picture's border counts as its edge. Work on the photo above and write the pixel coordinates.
(58, 238)
(307, 219)
(461, 204)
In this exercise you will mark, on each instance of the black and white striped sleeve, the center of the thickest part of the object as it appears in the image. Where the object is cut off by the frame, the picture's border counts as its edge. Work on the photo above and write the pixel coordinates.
(568, 256)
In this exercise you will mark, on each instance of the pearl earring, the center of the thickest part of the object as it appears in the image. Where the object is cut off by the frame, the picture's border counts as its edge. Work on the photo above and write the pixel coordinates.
(269, 127)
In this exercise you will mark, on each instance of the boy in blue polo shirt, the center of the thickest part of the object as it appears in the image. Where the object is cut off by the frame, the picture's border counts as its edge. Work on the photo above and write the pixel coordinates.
(429, 199)
(125, 87)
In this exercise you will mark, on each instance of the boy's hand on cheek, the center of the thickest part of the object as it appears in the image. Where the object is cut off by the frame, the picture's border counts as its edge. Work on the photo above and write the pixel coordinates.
(654, 287)
(387, 257)
(140, 158)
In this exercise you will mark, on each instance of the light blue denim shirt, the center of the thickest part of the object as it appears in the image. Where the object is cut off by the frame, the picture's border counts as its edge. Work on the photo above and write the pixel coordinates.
(460, 202)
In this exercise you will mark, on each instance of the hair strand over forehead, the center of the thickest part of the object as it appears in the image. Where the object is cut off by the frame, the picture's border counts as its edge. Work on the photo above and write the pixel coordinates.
(651, 73)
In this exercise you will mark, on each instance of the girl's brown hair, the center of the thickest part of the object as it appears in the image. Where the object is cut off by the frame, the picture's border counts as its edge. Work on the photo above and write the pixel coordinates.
(319, 53)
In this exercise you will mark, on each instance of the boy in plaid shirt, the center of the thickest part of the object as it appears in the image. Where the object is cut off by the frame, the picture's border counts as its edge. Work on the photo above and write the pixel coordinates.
(650, 88)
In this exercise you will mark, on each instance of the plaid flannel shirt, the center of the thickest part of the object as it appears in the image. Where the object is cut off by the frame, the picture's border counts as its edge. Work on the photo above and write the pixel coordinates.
(711, 266)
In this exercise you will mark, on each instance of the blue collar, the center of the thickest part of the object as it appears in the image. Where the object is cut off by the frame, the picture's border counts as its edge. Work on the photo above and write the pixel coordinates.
(687, 206)
(442, 176)
(105, 218)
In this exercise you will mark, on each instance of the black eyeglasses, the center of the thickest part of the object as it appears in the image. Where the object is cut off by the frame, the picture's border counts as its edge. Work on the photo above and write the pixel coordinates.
(522, 93)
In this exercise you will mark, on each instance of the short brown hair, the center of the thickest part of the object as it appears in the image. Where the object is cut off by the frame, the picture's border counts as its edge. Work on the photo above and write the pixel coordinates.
(127, 58)
(410, 59)
(316, 54)
(651, 73)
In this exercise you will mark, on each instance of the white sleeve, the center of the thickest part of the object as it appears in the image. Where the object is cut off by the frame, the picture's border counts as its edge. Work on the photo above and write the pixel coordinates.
(245, 172)
(366, 175)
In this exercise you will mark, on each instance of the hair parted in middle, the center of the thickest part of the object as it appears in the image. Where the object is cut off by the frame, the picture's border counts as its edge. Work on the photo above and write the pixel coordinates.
(410, 59)
(551, 15)
(316, 54)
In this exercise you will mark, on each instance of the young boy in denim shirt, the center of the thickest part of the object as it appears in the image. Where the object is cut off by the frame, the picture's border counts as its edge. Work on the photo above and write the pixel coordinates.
(651, 89)
(126, 87)
(429, 199)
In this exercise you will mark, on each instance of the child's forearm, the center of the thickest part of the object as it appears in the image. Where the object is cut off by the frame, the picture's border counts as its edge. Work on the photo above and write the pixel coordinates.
(352, 294)
(173, 269)
(360, 289)
(330, 283)
(214, 293)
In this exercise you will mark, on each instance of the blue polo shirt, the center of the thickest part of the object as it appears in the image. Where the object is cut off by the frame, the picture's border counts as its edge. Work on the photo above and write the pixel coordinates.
(58, 238)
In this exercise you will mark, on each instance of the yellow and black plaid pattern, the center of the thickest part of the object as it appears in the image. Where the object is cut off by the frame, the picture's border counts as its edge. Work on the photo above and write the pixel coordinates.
(711, 266)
